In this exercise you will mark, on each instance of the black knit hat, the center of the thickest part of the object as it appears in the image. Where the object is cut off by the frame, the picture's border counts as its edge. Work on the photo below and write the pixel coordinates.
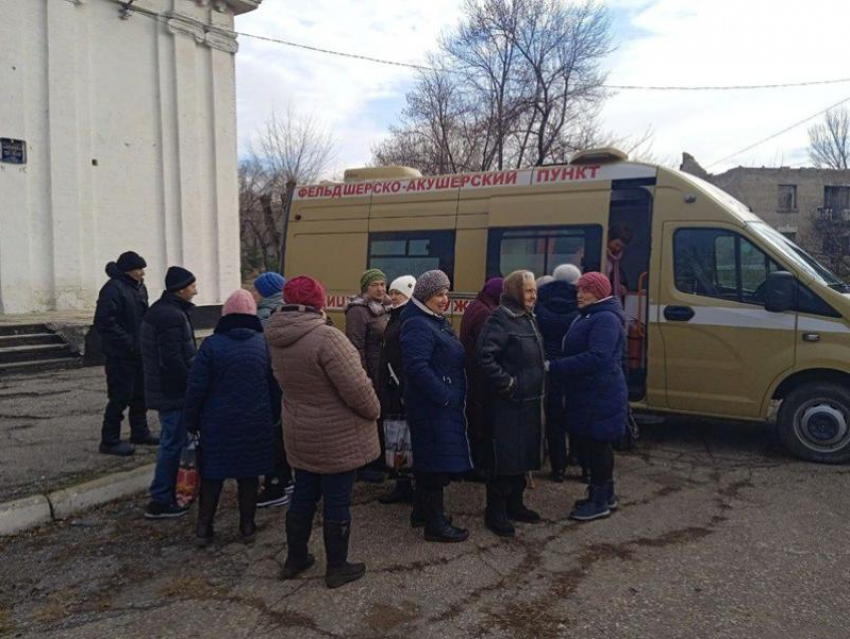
(130, 261)
(177, 278)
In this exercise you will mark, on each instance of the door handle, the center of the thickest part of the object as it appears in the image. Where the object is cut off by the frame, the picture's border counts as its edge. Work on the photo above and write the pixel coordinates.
(678, 313)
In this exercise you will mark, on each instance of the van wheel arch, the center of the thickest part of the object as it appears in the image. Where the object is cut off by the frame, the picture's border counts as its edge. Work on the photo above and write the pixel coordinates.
(814, 418)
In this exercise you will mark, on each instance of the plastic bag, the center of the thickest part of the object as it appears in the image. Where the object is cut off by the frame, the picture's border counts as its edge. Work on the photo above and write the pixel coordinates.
(399, 451)
(188, 477)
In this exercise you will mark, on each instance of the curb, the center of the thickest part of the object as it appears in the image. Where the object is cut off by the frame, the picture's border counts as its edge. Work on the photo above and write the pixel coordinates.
(37, 510)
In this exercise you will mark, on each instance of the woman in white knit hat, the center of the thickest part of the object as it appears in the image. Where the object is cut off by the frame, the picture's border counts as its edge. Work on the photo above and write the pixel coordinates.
(391, 380)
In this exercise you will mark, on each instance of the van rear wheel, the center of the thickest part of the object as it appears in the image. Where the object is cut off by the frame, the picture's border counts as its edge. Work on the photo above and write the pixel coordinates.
(814, 423)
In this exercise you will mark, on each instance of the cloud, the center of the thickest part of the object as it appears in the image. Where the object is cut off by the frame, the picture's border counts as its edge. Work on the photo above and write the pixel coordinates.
(356, 100)
(724, 42)
(659, 42)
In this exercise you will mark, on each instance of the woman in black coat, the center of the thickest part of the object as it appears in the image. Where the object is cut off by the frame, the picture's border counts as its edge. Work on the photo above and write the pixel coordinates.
(511, 357)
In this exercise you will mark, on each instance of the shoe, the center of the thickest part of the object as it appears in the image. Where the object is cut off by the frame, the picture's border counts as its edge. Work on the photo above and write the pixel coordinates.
(594, 508)
(514, 506)
(273, 495)
(158, 510)
(339, 571)
(437, 526)
(417, 520)
(146, 438)
(557, 476)
(370, 476)
(120, 449)
(402, 493)
(298, 529)
(611, 497)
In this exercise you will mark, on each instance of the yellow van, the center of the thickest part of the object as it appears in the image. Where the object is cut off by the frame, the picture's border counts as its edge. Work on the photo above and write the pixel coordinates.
(728, 316)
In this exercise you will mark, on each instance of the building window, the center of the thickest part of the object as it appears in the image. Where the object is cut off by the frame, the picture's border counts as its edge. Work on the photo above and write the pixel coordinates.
(836, 198)
(412, 253)
(540, 250)
(787, 197)
(721, 264)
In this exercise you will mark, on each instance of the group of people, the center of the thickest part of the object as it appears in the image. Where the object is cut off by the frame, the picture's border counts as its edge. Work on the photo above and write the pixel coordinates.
(278, 392)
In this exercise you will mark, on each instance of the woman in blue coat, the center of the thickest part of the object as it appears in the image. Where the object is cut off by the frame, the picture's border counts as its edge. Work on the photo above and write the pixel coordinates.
(596, 396)
(435, 394)
(229, 403)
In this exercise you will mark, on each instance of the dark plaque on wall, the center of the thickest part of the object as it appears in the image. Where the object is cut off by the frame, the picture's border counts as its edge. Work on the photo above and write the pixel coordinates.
(13, 151)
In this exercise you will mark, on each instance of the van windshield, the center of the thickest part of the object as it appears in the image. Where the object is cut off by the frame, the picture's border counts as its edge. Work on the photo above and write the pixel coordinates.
(799, 257)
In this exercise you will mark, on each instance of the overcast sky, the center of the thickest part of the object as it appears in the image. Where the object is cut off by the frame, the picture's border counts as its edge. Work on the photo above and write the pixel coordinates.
(660, 42)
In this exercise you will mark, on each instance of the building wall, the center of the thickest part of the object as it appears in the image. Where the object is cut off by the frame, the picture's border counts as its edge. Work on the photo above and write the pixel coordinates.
(758, 188)
(130, 125)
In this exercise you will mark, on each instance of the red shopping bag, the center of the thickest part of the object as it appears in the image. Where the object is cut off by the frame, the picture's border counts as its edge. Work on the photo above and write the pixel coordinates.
(188, 476)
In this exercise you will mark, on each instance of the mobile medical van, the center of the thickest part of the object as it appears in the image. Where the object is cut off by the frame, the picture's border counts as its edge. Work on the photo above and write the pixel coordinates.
(727, 315)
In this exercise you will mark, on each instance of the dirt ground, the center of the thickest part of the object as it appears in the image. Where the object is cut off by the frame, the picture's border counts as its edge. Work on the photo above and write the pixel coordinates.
(719, 534)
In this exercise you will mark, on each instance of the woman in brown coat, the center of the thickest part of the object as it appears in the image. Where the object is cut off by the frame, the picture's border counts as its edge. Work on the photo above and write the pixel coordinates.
(329, 415)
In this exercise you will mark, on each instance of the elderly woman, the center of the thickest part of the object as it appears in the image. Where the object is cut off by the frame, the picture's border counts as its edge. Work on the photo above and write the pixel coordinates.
(229, 402)
(434, 392)
(329, 411)
(366, 317)
(596, 397)
(391, 379)
(511, 356)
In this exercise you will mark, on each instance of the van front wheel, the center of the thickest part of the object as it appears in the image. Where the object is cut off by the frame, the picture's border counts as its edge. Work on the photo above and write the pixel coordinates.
(814, 423)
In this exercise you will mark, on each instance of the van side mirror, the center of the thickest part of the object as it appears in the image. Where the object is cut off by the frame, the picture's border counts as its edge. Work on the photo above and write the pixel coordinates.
(780, 291)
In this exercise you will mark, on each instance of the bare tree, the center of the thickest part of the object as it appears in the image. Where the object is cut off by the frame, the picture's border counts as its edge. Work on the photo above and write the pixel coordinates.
(829, 141)
(517, 83)
(286, 150)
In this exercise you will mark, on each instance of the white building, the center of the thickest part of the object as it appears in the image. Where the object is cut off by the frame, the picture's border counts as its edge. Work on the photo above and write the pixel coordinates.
(127, 120)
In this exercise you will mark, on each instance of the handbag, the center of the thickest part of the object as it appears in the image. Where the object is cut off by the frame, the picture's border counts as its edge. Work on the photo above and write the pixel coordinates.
(399, 450)
(188, 476)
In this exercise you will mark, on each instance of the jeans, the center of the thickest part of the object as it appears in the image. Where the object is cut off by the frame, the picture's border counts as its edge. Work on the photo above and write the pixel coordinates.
(335, 489)
(124, 388)
(172, 439)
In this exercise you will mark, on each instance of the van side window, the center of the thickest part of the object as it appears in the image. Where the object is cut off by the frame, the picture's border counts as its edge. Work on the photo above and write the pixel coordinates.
(541, 249)
(721, 264)
(412, 252)
(809, 302)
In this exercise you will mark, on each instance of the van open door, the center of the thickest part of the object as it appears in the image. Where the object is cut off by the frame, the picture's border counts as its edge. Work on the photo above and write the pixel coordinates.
(723, 349)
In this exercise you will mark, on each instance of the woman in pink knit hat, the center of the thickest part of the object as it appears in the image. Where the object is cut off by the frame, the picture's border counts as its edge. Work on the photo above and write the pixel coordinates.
(595, 392)
(229, 404)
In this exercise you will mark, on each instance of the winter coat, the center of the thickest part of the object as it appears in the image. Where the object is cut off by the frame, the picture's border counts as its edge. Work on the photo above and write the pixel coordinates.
(434, 391)
(391, 372)
(228, 400)
(591, 371)
(121, 306)
(329, 406)
(511, 358)
(268, 305)
(556, 310)
(365, 322)
(470, 328)
(168, 349)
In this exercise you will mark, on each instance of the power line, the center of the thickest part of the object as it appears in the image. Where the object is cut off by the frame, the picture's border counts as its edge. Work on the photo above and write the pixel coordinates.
(420, 67)
(777, 134)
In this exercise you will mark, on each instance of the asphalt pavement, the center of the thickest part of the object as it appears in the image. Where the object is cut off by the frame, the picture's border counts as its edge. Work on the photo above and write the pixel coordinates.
(719, 535)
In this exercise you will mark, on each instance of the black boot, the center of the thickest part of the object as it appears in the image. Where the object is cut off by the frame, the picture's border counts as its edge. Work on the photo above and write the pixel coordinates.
(248, 508)
(402, 492)
(516, 509)
(495, 513)
(298, 529)
(141, 435)
(119, 448)
(437, 525)
(339, 572)
(210, 492)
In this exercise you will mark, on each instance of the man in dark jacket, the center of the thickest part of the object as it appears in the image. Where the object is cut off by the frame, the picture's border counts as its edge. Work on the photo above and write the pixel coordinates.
(121, 305)
(168, 349)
